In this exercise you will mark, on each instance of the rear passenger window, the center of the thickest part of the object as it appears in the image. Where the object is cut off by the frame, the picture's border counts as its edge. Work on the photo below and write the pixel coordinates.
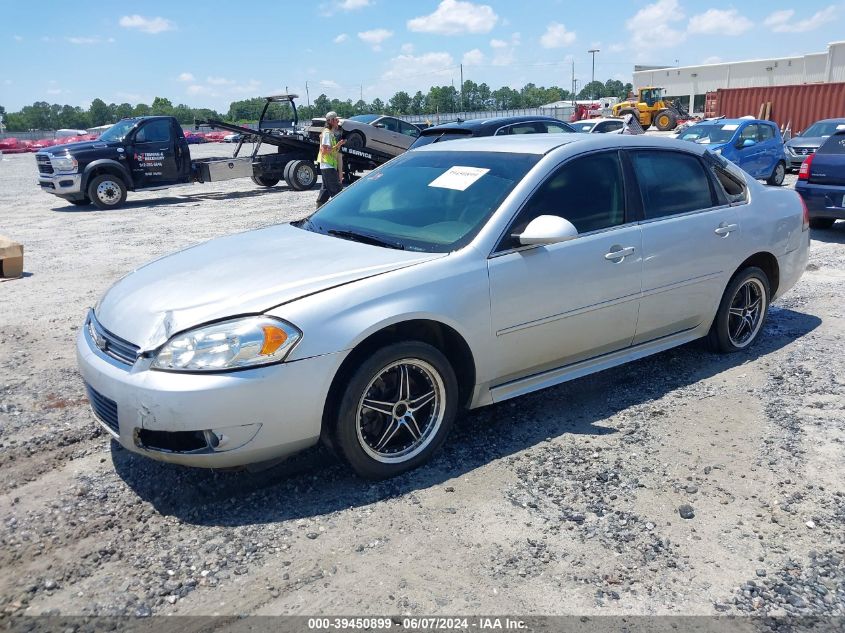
(671, 183)
(551, 128)
(734, 189)
(766, 133)
(519, 128)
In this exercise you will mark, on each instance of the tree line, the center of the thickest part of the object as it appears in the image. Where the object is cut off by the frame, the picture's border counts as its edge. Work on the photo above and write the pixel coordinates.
(474, 97)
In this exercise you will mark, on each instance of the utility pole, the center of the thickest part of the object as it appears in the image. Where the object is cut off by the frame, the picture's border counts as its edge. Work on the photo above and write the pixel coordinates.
(361, 96)
(307, 96)
(462, 88)
(573, 81)
(593, 52)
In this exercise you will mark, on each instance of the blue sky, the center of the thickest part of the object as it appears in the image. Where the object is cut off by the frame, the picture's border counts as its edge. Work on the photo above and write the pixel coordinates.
(211, 53)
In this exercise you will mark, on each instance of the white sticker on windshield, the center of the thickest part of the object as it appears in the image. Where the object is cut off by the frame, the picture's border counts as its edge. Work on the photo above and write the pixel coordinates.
(841, 126)
(730, 126)
(458, 178)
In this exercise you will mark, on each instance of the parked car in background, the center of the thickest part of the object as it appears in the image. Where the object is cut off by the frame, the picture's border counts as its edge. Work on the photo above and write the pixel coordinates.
(376, 132)
(755, 145)
(232, 138)
(499, 126)
(821, 182)
(195, 139)
(431, 285)
(598, 126)
(808, 141)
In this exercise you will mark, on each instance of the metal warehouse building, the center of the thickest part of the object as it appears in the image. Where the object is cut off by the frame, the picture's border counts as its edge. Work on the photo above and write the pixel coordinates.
(690, 84)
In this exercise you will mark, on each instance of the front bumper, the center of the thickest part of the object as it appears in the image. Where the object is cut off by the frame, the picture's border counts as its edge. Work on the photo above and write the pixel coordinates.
(823, 201)
(61, 184)
(260, 414)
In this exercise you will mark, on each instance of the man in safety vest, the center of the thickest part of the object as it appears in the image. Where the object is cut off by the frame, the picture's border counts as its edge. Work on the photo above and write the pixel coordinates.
(329, 159)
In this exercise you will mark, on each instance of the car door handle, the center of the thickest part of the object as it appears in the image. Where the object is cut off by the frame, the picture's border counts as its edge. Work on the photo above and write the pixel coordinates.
(725, 229)
(619, 254)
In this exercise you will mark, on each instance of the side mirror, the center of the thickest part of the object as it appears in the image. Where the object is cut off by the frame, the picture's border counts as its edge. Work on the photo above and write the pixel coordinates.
(547, 229)
(740, 144)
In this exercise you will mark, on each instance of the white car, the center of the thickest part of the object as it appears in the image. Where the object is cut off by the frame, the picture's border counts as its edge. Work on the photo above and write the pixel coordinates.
(598, 126)
(376, 132)
(454, 276)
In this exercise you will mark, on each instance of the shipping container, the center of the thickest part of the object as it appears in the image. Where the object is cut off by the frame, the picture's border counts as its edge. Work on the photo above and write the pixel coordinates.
(797, 105)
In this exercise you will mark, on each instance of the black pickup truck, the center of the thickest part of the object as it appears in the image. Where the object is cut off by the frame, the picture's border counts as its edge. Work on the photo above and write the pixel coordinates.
(147, 153)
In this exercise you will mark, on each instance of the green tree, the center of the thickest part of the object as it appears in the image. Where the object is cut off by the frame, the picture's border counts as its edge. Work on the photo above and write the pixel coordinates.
(377, 106)
(123, 111)
(99, 113)
(506, 98)
(162, 106)
(141, 109)
(74, 118)
(418, 103)
(441, 99)
(593, 90)
(322, 105)
(361, 107)
(400, 103)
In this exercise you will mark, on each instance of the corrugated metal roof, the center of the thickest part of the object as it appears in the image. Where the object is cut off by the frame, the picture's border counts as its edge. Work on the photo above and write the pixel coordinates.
(798, 105)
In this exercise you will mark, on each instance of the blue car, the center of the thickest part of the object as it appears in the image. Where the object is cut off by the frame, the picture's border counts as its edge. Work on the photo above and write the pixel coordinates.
(821, 182)
(755, 146)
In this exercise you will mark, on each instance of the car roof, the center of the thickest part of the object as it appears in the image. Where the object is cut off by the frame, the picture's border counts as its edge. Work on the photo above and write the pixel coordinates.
(733, 122)
(478, 125)
(540, 144)
(598, 120)
(833, 120)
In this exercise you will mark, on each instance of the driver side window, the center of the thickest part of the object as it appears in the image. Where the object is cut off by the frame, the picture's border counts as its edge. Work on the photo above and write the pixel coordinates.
(588, 191)
(157, 131)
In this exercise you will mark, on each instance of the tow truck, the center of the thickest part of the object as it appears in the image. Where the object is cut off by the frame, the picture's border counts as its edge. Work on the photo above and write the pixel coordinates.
(150, 153)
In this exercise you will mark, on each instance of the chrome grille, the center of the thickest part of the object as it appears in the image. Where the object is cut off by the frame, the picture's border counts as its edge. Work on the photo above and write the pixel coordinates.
(104, 408)
(112, 345)
(804, 151)
(44, 164)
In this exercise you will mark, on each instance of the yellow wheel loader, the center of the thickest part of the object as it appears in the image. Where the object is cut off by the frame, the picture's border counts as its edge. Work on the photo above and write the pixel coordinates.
(651, 108)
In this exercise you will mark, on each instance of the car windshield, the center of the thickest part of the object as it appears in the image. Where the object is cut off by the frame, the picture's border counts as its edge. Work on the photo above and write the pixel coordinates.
(438, 136)
(707, 134)
(118, 131)
(824, 128)
(583, 127)
(434, 202)
(364, 118)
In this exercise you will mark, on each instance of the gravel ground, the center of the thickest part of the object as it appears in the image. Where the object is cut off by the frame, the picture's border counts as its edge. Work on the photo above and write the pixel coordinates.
(686, 483)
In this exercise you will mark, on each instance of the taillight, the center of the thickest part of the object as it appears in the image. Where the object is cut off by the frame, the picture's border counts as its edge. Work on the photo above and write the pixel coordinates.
(804, 172)
(805, 220)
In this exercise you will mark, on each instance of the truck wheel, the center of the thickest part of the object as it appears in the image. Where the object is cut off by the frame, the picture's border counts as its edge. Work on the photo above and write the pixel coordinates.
(355, 140)
(301, 175)
(666, 120)
(107, 191)
(265, 181)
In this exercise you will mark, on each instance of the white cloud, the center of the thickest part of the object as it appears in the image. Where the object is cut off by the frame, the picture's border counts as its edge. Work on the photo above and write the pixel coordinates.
(504, 50)
(713, 59)
(782, 21)
(351, 5)
(340, 39)
(653, 24)
(147, 25)
(438, 65)
(719, 22)
(473, 58)
(556, 36)
(375, 37)
(185, 77)
(196, 89)
(616, 48)
(86, 40)
(453, 17)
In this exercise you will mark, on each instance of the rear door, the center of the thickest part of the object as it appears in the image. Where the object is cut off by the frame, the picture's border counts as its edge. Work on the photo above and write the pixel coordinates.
(152, 157)
(690, 242)
(388, 137)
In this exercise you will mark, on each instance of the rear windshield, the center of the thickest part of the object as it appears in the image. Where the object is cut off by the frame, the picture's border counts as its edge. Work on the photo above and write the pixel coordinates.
(425, 201)
(834, 145)
(438, 136)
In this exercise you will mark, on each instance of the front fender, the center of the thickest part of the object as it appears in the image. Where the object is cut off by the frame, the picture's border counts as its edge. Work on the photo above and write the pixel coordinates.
(111, 165)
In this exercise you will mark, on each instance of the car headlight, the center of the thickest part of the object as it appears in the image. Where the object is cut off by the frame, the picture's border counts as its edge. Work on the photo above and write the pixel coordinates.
(234, 344)
(64, 163)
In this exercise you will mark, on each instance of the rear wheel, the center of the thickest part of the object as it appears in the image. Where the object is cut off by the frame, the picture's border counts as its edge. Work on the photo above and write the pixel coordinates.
(666, 120)
(107, 191)
(741, 312)
(396, 410)
(821, 223)
(301, 175)
(265, 181)
(778, 174)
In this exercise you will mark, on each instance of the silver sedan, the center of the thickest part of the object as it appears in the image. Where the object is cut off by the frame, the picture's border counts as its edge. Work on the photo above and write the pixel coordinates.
(452, 277)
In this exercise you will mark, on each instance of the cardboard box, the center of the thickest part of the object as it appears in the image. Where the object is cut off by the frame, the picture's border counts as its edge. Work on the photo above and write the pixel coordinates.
(11, 258)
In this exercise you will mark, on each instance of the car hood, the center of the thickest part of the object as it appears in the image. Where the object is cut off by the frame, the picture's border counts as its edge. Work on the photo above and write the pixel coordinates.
(80, 148)
(806, 141)
(246, 273)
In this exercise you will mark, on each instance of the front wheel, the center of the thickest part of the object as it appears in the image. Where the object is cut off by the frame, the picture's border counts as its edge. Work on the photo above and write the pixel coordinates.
(396, 410)
(107, 191)
(665, 121)
(778, 174)
(741, 312)
(355, 140)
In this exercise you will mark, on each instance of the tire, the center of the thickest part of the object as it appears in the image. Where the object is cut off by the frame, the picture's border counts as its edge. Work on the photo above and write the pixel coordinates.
(301, 175)
(778, 174)
(389, 439)
(265, 181)
(821, 223)
(107, 191)
(736, 326)
(81, 202)
(355, 140)
(665, 120)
